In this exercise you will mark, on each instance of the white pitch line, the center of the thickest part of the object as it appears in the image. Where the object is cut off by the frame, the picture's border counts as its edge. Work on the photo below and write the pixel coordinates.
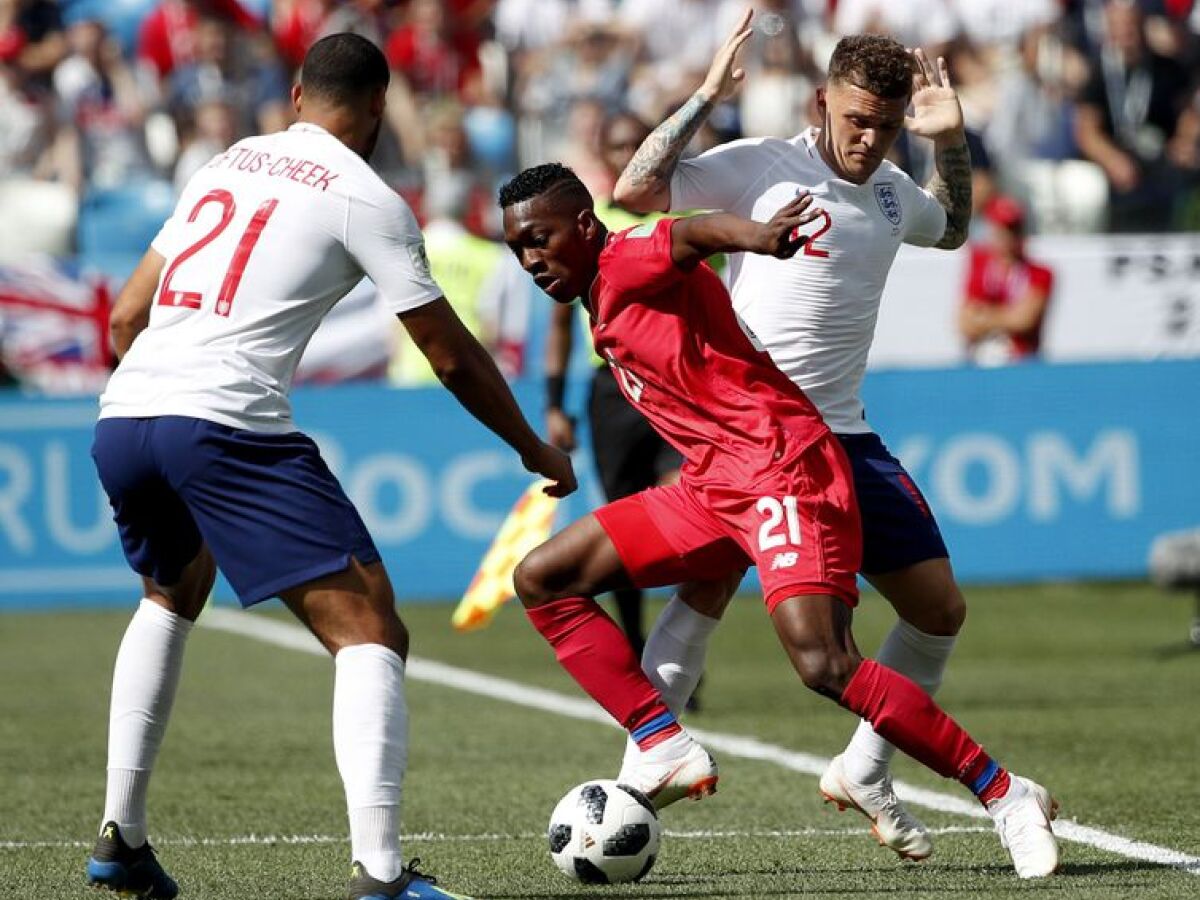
(284, 634)
(268, 840)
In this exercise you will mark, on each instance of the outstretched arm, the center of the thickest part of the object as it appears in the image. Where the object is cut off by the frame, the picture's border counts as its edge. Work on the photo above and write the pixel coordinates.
(645, 185)
(699, 237)
(467, 370)
(938, 116)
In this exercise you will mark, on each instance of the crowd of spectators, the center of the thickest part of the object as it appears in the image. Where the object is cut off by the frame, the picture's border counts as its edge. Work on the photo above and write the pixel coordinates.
(1085, 111)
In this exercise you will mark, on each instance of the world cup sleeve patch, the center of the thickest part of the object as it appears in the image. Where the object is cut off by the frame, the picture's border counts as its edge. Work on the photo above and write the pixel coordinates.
(889, 201)
(420, 259)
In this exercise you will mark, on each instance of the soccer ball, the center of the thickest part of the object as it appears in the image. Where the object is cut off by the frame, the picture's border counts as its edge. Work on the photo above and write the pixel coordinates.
(602, 832)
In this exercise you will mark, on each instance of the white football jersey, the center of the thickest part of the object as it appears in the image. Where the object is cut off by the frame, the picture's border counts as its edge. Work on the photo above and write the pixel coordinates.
(815, 313)
(265, 239)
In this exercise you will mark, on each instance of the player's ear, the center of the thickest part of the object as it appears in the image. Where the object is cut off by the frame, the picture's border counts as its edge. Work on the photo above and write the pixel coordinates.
(588, 224)
(296, 92)
(822, 106)
(378, 102)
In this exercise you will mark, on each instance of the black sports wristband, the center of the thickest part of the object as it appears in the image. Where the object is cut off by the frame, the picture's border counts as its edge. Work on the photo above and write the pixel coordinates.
(556, 389)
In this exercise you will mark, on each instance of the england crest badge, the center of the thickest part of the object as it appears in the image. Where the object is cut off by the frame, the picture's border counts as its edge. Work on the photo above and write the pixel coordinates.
(889, 202)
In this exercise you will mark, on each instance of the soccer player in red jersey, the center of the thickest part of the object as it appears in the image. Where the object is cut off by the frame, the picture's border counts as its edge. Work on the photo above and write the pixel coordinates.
(764, 482)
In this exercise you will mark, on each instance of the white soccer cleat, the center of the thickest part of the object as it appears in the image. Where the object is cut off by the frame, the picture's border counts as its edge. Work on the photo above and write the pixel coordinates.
(1022, 818)
(665, 776)
(893, 825)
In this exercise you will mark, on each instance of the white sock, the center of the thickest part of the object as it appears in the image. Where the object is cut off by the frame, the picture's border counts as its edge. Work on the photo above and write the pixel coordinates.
(921, 657)
(145, 677)
(370, 742)
(674, 656)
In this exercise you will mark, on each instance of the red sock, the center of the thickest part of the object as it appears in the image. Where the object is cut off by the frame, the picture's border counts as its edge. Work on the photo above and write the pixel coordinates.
(903, 714)
(596, 653)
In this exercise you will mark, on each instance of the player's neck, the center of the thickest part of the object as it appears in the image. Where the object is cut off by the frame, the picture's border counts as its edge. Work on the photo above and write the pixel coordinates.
(348, 128)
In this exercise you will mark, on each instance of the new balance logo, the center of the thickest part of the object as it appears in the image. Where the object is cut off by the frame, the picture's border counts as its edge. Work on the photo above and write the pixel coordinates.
(784, 561)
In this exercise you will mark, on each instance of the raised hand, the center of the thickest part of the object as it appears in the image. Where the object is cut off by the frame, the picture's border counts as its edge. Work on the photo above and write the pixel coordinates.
(936, 111)
(724, 75)
(780, 236)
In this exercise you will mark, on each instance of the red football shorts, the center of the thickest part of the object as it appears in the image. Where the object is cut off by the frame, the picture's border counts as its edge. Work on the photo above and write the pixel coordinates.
(798, 523)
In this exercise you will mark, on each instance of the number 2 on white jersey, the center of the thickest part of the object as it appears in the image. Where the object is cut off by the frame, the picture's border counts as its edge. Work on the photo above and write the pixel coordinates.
(810, 246)
(769, 533)
(168, 296)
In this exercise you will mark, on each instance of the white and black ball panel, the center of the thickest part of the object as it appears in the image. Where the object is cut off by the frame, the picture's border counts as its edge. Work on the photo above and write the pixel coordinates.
(592, 800)
(604, 833)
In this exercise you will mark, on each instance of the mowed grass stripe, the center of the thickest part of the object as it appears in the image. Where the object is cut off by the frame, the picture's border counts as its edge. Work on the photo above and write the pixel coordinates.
(284, 634)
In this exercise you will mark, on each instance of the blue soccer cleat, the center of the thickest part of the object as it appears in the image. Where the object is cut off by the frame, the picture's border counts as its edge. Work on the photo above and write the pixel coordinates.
(115, 866)
(411, 885)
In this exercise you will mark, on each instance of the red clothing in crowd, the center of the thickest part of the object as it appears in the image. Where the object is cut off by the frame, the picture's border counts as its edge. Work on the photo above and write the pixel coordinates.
(994, 281)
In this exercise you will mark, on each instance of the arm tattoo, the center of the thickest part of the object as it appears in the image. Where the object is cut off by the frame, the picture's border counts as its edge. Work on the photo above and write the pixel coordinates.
(655, 161)
(951, 185)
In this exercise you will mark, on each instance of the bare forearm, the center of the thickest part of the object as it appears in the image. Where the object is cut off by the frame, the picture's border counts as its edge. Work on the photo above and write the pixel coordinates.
(478, 385)
(951, 185)
(698, 237)
(645, 185)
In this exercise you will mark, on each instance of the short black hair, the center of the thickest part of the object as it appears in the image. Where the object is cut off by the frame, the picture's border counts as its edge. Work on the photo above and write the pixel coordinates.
(343, 68)
(875, 63)
(546, 178)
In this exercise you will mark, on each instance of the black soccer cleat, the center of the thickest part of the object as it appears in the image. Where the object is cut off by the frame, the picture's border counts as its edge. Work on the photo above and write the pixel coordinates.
(129, 871)
(411, 885)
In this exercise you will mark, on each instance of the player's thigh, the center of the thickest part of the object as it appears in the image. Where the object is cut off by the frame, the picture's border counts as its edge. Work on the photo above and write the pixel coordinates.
(159, 536)
(268, 507)
(925, 595)
(665, 535)
(579, 561)
(904, 555)
(351, 607)
(800, 525)
(189, 594)
(899, 528)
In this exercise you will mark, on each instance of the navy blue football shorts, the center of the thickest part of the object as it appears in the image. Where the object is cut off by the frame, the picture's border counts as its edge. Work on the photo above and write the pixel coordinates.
(266, 505)
(898, 527)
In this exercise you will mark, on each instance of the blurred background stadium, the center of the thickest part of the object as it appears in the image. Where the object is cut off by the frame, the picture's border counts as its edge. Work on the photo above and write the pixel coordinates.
(1042, 385)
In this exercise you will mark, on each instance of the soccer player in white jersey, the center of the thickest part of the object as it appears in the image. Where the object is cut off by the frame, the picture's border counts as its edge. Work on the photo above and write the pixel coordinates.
(815, 314)
(204, 469)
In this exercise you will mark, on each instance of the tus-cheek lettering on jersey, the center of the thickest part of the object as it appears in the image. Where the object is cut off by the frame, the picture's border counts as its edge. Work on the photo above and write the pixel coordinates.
(302, 171)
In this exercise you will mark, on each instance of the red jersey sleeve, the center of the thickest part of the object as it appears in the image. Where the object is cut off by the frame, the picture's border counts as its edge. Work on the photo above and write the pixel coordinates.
(974, 289)
(1041, 279)
(638, 260)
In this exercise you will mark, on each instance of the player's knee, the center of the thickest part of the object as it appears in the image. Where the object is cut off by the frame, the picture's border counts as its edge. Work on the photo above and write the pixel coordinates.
(946, 615)
(531, 579)
(825, 670)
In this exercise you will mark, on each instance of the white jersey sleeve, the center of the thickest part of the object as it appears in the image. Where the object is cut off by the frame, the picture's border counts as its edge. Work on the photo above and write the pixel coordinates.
(383, 237)
(724, 177)
(927, 221)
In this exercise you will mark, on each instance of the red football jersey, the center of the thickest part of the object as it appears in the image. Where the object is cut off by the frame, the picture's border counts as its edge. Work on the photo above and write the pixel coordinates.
(992, 281)
(681, 357)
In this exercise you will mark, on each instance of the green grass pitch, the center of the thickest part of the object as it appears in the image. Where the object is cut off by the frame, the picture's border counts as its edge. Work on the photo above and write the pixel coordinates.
(1090, 689)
